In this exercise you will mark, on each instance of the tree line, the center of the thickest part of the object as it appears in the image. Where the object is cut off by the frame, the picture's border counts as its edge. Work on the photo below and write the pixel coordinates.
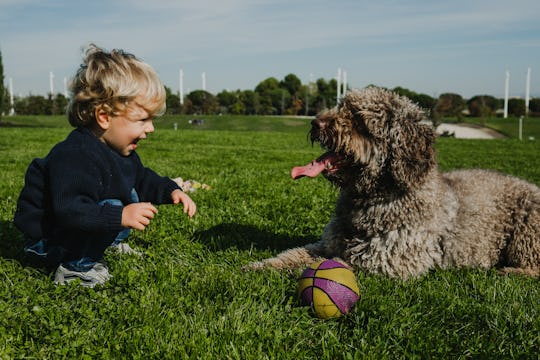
(280, 97)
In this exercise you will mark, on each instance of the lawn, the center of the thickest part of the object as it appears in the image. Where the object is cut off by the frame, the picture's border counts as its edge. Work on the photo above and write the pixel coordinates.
(188, 297)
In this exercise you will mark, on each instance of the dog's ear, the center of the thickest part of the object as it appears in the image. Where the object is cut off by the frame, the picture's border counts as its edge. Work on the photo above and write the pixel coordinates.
(371, 121)
(412, 153)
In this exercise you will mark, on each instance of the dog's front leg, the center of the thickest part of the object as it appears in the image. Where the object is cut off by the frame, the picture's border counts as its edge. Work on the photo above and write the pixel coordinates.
(290, 259)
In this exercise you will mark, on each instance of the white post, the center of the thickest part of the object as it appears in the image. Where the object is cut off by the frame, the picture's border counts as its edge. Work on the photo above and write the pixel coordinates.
(344, 83)
(65, 87)
(51, 86)
(520, 127)
(506, 86)
(203, 77)
(12, 109)
(181, 87)
(527, 92)
(338, 96)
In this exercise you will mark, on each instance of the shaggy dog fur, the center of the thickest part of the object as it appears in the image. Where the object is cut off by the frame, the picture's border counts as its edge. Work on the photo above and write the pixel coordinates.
(396, 213)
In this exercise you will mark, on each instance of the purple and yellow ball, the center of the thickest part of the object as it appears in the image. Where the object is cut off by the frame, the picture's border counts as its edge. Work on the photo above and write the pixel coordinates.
(329, 287)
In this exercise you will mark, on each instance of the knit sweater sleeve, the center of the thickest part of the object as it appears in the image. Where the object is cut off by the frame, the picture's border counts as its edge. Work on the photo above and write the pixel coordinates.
(153, 187)
(76, 181)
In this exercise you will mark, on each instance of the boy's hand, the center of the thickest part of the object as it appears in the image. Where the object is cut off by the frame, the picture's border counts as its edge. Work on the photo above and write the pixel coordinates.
(181, 197)
(138, 215)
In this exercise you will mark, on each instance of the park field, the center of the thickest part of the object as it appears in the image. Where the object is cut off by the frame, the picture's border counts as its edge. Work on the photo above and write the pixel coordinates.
(188, 297)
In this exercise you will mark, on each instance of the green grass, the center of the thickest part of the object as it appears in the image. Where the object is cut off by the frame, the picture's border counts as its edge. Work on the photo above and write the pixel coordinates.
(189, 298)
(182, 122)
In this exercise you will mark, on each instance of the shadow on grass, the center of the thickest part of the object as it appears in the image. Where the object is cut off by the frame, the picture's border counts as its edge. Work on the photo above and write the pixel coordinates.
(12, 248)
(11, 242)
(245, 237)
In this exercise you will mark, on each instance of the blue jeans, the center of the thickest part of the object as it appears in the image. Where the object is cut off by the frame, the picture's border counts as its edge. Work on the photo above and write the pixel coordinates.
(86, 263)
(48, 254)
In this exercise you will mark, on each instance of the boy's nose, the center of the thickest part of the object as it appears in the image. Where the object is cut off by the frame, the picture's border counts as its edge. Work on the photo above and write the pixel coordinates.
(149, 127)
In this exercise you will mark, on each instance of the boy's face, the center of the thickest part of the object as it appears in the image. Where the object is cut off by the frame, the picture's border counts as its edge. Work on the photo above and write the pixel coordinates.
(123, 132)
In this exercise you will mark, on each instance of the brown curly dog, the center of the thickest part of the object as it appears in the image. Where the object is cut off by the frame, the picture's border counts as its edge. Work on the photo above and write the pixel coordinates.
(396, 213)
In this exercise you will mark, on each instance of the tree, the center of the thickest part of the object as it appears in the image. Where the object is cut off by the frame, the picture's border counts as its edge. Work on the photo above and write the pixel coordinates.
(280, 100)
(5, 106)
(202, 102)
(251, 101)
(172, 101)
(404, 92)
(267, 90)
(534, 107)
(286, 97)
(324, 96)
(450, 105)
(227, 101)
(238, 108)
(307, 96)
(482, 105)
(2, 89)
(516, 107)
(292, 85)
(32, 105)
(426, 102)
(60, 103)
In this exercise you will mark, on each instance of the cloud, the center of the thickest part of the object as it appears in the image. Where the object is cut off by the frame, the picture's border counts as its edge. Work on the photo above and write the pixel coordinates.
(262, 37)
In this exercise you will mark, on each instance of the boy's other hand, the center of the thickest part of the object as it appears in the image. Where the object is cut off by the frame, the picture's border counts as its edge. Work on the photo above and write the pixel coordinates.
(181, 197)
(138, 215)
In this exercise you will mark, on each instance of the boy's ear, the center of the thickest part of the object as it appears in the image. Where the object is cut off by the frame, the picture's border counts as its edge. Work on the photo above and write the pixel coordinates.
(102, 118)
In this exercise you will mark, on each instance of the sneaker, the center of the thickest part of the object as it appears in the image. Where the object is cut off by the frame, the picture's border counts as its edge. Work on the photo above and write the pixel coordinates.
(97, 275)
(123, 248)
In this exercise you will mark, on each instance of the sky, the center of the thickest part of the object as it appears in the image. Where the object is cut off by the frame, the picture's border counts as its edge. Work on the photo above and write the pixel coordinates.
(427, 46)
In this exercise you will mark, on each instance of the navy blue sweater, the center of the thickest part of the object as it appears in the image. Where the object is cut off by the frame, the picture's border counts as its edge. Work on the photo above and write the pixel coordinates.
(62, 191)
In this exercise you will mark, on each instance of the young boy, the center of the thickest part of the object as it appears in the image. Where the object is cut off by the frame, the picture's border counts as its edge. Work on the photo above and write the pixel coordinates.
(92, 188)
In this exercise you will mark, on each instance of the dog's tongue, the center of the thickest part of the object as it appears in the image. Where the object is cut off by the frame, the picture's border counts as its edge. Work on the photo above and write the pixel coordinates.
(312, 169)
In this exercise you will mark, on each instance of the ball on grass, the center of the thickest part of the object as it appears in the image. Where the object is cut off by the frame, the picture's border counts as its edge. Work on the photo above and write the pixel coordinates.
(329, 287)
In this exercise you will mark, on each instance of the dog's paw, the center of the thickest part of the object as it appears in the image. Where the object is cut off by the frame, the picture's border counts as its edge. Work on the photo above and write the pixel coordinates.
(270, 263)
(256, 265)
(519, 271)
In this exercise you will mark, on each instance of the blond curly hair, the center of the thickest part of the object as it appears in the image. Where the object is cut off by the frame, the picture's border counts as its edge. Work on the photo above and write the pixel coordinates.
(110, 81)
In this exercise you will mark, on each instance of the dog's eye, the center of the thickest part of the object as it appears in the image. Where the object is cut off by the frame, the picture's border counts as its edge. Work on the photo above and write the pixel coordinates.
(361, 127)
(359, 123)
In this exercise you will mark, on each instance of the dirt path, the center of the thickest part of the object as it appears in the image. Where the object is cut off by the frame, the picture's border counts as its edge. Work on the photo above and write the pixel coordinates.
(469, 131)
